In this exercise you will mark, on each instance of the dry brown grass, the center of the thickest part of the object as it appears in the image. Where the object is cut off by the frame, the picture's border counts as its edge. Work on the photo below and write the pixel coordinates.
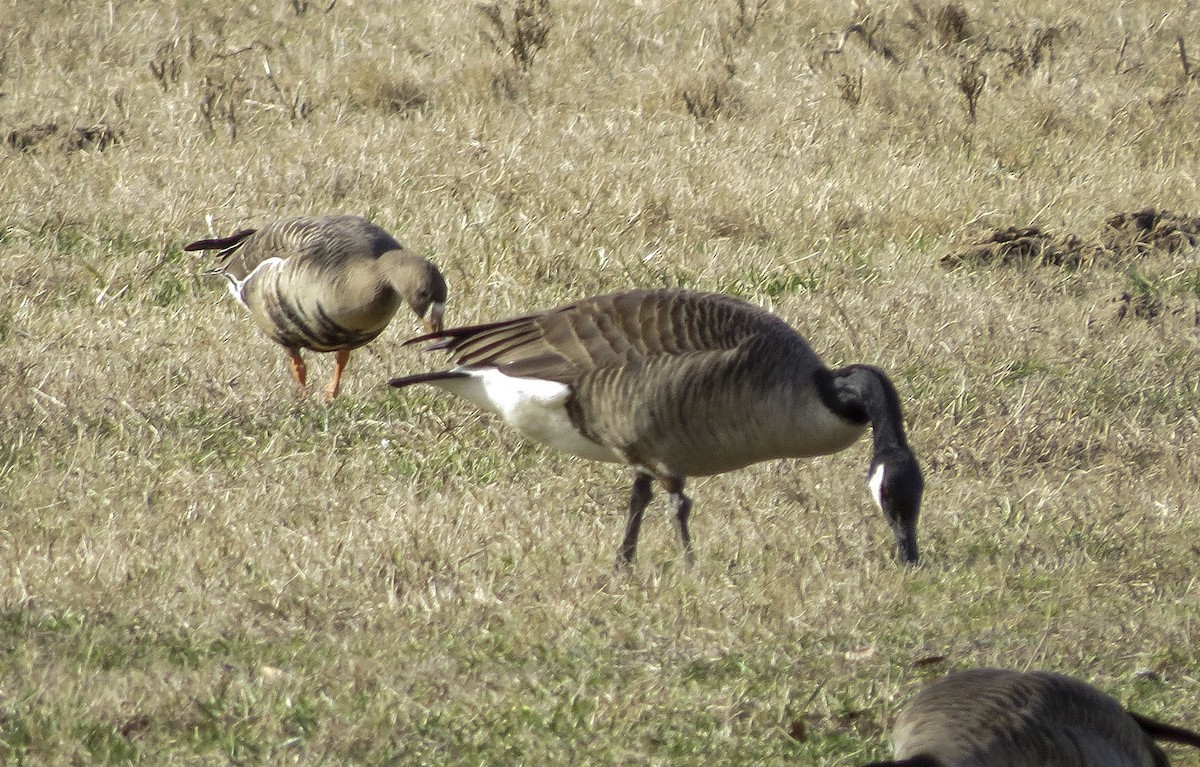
(196, 566)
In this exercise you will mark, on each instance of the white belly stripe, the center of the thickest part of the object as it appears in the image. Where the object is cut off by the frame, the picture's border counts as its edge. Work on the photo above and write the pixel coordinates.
(533, 406)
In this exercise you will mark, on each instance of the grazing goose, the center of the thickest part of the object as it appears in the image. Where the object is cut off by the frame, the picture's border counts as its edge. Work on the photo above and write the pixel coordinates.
(679, 384)
(997, 718)
(329, 284)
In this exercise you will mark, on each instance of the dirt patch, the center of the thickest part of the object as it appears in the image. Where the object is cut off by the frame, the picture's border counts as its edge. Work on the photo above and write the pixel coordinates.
(1123, 237)
(1024, 245)
(55, 137)
(1142, 306)
(27, 138)
(1133, 234)
(1179, 311)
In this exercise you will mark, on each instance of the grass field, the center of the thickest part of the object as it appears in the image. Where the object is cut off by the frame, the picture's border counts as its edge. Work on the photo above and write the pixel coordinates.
(199, 566)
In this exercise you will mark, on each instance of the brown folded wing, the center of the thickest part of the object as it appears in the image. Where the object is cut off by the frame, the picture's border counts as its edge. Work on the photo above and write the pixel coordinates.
(607, 331)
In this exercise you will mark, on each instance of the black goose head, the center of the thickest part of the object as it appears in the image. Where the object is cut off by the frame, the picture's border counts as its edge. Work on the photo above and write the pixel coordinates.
(897, 486)
(861, 393)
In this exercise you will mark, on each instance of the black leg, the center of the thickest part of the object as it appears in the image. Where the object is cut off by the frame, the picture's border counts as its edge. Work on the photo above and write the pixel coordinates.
(683, 508)
(638, 501)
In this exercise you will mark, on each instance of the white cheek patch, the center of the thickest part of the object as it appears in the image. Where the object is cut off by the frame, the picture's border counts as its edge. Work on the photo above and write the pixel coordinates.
(876, 483)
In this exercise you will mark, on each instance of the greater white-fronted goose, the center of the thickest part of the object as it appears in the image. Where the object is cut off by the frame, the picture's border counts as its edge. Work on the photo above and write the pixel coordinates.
(1000, 718)
(329, 284)
(679, 384)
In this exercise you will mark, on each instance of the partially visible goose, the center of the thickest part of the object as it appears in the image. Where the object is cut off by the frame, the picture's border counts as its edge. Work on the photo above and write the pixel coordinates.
(999, 718)
(330, 284)
(679, 384)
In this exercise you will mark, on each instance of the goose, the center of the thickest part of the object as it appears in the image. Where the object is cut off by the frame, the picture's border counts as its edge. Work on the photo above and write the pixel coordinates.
(998, 718)
(329, 284)
(678, 384)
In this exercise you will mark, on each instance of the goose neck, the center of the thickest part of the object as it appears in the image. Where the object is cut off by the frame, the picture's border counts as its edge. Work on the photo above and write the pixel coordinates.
(863, 393)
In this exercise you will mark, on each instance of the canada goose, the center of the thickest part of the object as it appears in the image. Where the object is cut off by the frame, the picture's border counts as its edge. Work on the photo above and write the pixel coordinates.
(997, 718)
(679, 384)
(330, 284)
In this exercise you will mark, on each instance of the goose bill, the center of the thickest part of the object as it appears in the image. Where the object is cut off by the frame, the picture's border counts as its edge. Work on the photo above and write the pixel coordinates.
(433, 323)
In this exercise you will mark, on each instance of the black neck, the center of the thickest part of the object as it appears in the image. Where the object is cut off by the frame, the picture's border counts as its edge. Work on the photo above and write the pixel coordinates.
(863, 394)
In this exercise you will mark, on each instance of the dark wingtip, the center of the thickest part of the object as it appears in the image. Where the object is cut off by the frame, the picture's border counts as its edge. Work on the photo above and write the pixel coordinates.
(423, 338)
(441, 375)
(441, 341)
(219, 243)
(402, 381)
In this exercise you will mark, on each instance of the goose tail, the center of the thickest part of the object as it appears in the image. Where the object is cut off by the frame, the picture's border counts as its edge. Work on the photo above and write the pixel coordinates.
(420, 378)
(1167, 732)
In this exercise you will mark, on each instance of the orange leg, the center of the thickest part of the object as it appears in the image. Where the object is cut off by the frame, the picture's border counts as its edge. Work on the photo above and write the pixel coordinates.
(299, 369)
(339, 364)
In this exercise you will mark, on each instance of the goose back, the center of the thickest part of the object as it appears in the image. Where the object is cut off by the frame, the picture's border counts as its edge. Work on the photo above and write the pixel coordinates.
(322, 242)
(1001, 718)
(608, 331)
